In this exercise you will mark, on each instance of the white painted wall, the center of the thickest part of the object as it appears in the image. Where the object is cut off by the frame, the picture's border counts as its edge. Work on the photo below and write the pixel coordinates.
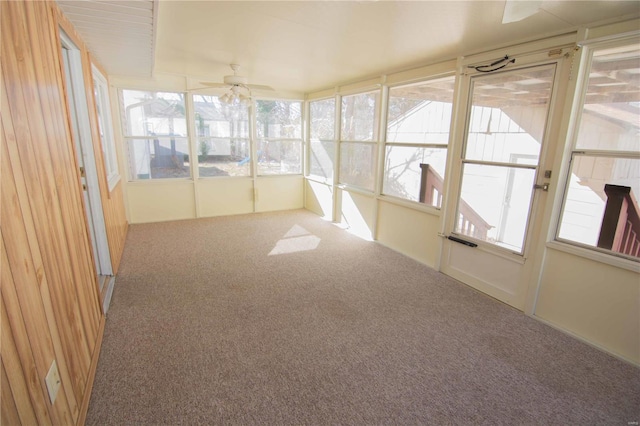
(319, 198)
(597, 302)
(356, 212)
(225, 196)
(409, 231)
(279, 193)
(160, 201)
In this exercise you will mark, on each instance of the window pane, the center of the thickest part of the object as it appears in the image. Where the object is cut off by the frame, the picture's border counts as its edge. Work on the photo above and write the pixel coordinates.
(159, 158)
(219, 119)
(508, 115)
(279, 119)
(279, 157)
(415, 174)
(105, 127)
(224, 157)
(421, 113)
(610, 117)
(154, 113)
(359, 118)
(321, 159)
(322, 119)
(494, 204)
(358, 164)
(601, 208)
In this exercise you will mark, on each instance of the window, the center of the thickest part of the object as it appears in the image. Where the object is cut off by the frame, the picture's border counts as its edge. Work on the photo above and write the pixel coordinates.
(322, 116)
(358, 138)
(418, 121)
(600, 206)
(279, 137)
(105, 126)
(222, 138)
(156, 135)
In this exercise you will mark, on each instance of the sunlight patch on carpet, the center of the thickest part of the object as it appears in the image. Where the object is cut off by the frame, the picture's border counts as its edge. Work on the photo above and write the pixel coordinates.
(297, 239)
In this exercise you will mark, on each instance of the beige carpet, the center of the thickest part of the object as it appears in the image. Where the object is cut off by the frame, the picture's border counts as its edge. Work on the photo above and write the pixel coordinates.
(284, 319)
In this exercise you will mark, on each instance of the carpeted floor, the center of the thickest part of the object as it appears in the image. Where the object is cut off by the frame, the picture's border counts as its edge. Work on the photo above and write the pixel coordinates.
(284, 319)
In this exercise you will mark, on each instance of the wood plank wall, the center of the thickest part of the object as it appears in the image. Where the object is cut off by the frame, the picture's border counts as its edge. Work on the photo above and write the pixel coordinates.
(50, 303)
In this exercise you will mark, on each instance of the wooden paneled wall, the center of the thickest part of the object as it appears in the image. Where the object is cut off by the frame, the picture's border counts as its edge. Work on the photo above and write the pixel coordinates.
(50, 303)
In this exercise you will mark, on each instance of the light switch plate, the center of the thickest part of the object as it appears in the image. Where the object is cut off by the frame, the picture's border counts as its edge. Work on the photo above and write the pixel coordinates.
(53, 381)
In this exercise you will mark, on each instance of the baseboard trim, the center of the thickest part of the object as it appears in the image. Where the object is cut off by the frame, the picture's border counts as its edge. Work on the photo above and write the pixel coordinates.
(608, 351)
(92, 374)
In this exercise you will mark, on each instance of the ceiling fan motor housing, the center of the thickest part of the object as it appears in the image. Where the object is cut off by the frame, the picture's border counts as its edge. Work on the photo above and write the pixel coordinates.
(235, 80)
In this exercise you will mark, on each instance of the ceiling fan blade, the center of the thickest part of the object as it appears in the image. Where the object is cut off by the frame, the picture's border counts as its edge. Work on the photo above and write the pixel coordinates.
(259, 87)
(515, 10)
(210, 84)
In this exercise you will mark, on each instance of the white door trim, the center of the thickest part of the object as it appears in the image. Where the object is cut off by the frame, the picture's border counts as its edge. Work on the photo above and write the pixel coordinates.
(84, 141)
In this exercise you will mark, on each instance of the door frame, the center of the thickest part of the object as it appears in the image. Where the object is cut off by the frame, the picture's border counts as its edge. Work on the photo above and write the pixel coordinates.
(525, 265)
(86, 156)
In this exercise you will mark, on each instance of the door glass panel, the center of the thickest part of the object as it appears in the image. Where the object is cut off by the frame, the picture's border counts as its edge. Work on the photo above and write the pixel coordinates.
(494, 204)
(506, 126)
(508, 115)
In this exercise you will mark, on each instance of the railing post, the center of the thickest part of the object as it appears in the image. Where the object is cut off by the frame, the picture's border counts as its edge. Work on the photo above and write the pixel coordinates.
(425, 194)
(615, 216)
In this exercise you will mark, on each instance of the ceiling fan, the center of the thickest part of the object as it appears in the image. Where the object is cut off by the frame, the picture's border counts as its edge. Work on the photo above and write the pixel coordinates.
(236, 80)
(239, 88)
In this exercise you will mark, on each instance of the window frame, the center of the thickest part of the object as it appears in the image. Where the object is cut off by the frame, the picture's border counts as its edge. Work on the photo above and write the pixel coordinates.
(446, 146)
(197, 139)
(127, 138)
(374, 142)
(105, 127)
(333, 141)
(571, 151)
(256, 140)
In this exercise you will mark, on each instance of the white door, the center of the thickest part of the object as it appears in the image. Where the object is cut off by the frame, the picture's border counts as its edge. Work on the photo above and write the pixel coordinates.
(494, 198)
(86, 158)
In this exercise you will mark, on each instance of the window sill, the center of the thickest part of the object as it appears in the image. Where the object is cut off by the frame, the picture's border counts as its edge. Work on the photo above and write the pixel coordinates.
(160, 181)
(291, 175)
(357, 190)
(421, 207)
(316, 179)
(214, 178)
(596, 256)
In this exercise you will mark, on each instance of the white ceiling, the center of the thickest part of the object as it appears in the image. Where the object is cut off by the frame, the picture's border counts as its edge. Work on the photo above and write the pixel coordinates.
(120, 34)
(303, 46)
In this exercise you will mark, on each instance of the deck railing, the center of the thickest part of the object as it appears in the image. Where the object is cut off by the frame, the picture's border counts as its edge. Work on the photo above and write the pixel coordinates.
(620, 230)
(469, 221)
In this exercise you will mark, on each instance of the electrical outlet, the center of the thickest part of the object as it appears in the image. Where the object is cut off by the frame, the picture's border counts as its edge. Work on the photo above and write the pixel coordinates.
(53, 381)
